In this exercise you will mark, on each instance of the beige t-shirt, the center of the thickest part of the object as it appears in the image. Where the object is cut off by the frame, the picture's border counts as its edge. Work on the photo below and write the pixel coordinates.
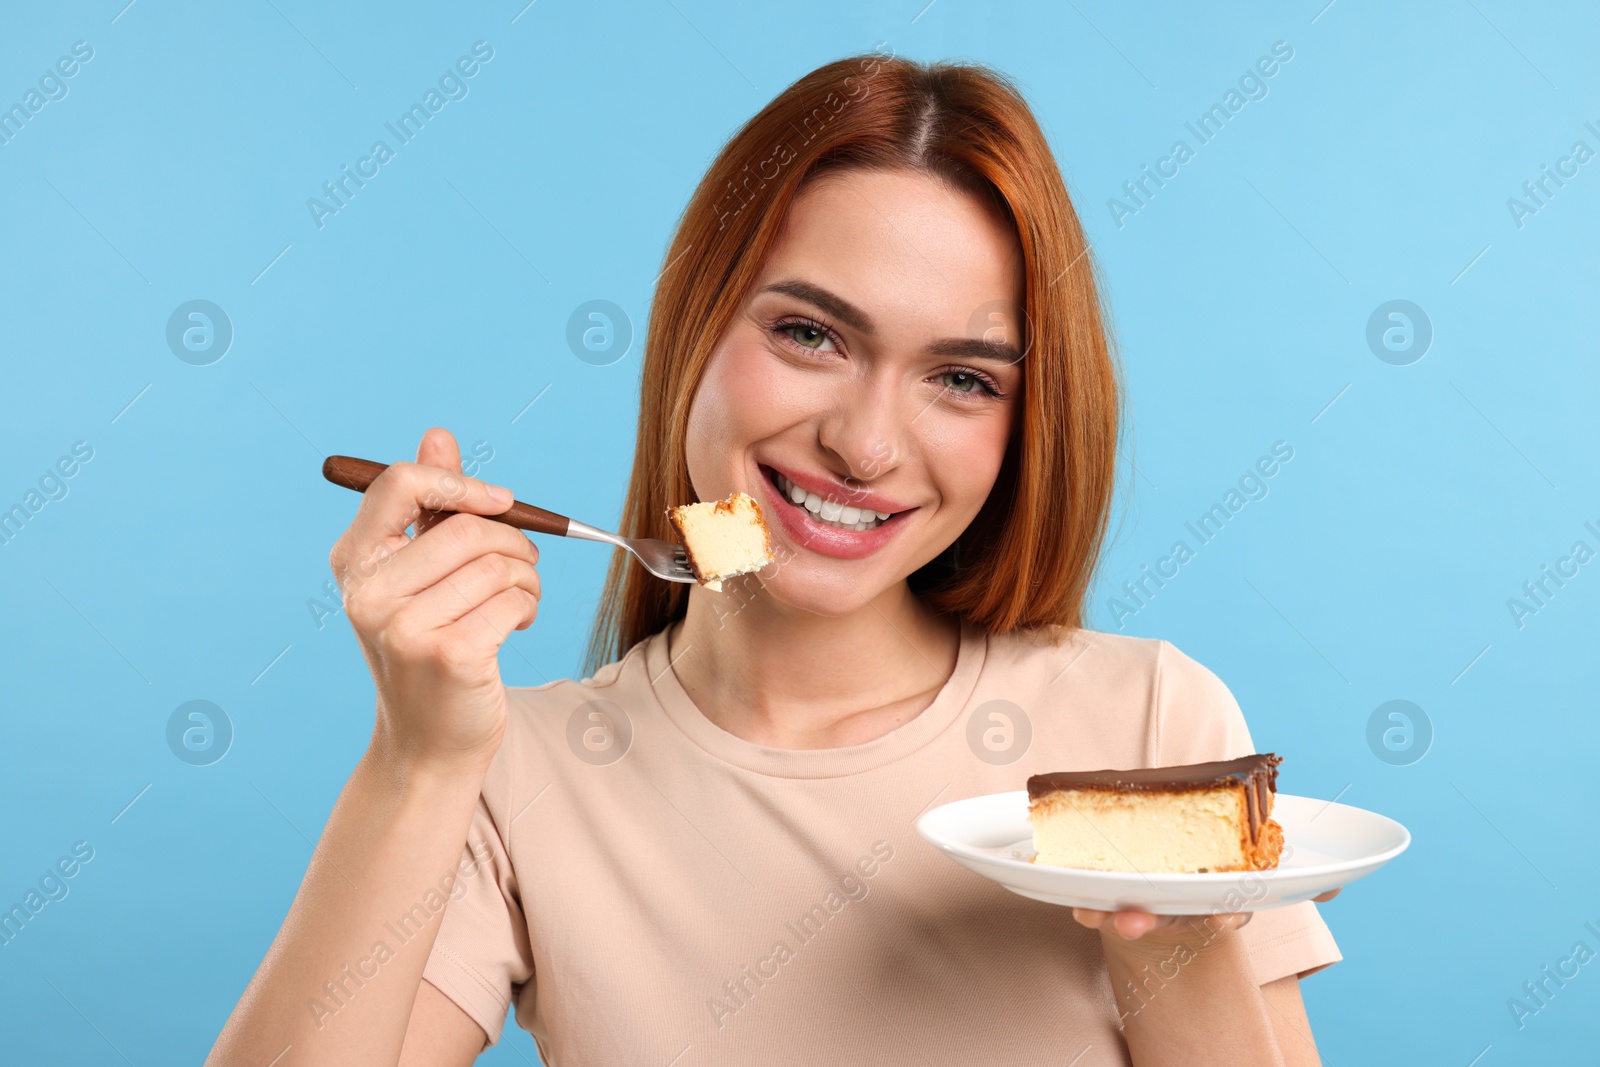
(663, 892)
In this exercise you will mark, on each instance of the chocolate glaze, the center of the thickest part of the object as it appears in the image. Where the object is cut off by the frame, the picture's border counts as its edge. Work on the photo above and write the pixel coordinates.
(1258, 773)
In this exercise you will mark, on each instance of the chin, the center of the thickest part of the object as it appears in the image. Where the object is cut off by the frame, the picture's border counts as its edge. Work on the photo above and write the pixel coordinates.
(823, 587)
(795, 587)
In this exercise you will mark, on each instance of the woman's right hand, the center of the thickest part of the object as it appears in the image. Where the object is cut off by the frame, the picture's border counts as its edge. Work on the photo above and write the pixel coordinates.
(431, 612)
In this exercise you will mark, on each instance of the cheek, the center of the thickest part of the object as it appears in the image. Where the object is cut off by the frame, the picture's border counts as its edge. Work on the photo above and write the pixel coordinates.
(748, 394)
(741, 400)
(965, 457)
(745, 379)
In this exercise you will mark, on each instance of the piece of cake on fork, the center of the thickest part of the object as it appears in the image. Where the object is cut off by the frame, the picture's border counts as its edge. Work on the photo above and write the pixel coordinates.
(723, 538)
(1196, 818)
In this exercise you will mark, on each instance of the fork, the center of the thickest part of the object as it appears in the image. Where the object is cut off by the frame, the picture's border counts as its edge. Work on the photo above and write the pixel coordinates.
(661, 558)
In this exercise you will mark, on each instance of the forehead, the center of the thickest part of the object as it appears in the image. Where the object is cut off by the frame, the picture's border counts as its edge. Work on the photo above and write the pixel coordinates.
(902, 245)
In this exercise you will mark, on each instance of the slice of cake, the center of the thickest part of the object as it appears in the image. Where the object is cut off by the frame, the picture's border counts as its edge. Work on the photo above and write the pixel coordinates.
(1192, 819)
(723, 538)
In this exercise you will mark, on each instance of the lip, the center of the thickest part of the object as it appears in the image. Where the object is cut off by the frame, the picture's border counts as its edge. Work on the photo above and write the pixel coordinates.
(830, 488)
(825, 540)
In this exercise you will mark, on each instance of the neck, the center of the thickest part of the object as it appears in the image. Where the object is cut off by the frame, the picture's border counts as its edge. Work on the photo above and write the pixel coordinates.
(783, 678)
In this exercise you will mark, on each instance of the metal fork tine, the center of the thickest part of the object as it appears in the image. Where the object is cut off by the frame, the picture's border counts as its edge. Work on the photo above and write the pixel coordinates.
(664, 559)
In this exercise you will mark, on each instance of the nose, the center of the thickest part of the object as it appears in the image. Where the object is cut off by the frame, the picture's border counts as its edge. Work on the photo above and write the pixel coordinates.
(865, 427)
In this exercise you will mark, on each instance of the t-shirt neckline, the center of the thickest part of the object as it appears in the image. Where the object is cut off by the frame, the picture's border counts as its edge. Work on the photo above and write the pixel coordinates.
(680, 708)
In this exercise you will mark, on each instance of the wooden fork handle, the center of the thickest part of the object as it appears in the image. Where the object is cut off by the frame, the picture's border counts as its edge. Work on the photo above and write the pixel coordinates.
(358, 474)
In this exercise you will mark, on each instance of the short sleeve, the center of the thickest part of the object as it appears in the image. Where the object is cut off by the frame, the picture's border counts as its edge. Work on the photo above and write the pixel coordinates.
(481, 957)
(1199, 720)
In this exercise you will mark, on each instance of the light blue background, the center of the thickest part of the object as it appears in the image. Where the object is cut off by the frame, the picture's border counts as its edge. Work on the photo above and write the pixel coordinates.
(1419, 499)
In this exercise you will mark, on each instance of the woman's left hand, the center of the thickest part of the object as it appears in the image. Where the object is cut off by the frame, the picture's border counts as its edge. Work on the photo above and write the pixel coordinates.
(1133, 924)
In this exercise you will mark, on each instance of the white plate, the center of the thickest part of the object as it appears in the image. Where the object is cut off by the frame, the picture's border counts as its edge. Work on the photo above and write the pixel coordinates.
(1325, 846)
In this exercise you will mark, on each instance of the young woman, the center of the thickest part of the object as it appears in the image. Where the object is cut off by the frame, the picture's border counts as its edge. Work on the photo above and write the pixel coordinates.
(879, 302)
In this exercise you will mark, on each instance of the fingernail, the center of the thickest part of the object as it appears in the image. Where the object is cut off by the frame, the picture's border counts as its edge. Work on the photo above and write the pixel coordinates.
(500, 494)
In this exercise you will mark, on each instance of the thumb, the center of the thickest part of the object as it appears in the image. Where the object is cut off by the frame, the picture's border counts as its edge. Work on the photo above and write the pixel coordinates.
(439, 449)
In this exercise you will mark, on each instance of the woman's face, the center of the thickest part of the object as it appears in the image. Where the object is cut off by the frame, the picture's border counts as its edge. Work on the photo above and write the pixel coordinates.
(863, 370)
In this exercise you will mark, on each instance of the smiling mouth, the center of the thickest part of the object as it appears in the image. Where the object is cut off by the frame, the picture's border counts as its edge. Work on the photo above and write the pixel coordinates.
(823, 511)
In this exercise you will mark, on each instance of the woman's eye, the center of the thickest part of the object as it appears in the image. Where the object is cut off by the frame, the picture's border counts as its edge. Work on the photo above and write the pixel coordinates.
(806, 336)
(960, 381)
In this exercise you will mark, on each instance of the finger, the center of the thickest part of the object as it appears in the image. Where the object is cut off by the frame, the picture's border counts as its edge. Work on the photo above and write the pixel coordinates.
(1134, 923)
(469, 586)
(438, 448)
(448, 547)
(1329, 895)
(1090, 917)
(495, 618)
(398, 497)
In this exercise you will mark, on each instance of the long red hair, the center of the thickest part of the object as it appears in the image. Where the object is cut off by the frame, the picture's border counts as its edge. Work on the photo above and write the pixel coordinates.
(1028, 558)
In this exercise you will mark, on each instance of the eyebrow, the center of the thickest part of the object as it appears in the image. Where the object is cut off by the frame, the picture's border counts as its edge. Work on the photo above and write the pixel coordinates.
(971, 348)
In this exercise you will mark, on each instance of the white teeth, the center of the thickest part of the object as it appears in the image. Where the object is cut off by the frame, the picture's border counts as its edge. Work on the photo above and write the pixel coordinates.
(828, 511)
